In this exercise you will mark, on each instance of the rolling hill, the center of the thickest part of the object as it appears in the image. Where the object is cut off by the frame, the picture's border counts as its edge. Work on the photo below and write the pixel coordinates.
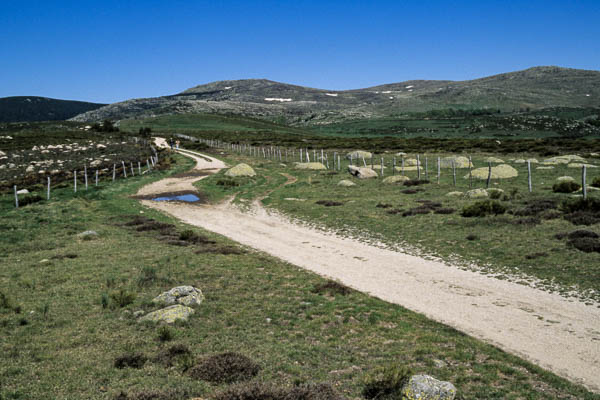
(33, 108)
(534, 88)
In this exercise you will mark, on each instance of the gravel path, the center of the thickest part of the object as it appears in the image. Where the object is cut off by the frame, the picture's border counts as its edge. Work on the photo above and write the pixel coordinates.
(562, 335)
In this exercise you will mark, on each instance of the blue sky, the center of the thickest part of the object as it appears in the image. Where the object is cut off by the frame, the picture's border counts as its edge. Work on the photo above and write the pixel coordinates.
(108, 51)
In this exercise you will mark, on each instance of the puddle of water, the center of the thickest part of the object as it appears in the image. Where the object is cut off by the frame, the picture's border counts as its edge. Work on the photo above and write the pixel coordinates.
(190, 198)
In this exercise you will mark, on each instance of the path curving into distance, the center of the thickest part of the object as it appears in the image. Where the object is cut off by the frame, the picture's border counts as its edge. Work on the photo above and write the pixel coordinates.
(562, 335)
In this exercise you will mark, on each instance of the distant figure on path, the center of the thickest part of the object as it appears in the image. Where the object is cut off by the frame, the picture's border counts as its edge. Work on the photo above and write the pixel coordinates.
(177, 145)
(171, 143)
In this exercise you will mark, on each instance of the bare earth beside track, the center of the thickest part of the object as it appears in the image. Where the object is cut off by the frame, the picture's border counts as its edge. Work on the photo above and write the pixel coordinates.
(560, 334)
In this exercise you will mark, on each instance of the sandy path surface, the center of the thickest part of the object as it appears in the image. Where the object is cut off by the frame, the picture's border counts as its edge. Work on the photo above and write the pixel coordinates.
(559, 334)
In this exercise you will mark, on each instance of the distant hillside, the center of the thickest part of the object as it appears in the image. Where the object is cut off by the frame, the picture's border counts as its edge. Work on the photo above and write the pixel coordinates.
(32, 108)
(534, 88)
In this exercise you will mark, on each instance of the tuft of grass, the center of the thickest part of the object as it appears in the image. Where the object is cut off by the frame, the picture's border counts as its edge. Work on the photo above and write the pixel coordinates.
(165, 333)
(332, 287)
(566, 187)
(386, 382)
(130, 360)
(122, 298)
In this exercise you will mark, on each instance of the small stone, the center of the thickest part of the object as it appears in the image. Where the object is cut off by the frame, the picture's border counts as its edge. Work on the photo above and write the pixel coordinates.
(87, 235)
(477, 194)
(396, 179)
(454, 194)
(310, 165)
(346, 183)
(23, 191)
(565, 179)
(439, 363)
(44, 261)
(359, 154)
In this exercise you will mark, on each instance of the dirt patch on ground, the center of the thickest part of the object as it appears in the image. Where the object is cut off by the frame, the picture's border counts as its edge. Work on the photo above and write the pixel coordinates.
(459, 298)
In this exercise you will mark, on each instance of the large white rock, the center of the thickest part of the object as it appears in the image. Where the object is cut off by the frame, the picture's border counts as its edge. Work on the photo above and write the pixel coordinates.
(240, 170)
(169, 314)
(186, 295)
(361, 172)
(425, 387)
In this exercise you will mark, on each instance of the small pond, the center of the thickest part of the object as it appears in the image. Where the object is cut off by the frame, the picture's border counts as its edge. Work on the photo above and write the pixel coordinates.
(190, 198)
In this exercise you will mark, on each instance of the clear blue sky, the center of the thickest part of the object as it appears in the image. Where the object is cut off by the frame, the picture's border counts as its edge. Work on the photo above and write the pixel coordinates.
(108, 51)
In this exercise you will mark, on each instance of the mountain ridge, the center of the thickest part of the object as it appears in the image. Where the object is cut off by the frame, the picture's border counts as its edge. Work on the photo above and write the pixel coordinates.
(37, 108)
(535, 88)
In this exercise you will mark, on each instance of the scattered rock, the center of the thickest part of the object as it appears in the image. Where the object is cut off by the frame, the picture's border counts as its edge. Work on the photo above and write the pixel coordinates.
(502, 171)
(186, 295)
(44, 261)
(409, 168)
(579, 165)
(23, 191)
(310, 165)
(358, 154)
(361, 172)
(138, 313)
(565, 179)
(95, 163)
(493, 160)
(169, 314)
(396, 179)
(293, 199)
(87, 235)
(546, 167)
(439, 363)
(241, 170)
(346, 183)
(425, 387)
(477, 194)
(454, 194)
(459, 162)
(31, 168)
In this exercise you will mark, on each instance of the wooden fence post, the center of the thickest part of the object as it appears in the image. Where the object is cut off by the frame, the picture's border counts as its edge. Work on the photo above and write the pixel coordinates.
(115, 170)
(402, 161)
(438, 170)
(75, 181)
(489, 178)
(426, 168)
(381, 166)
(124, 169)
(48, 190)
(418, 168)
(470, 173)
(147, 165)
(16, 197)
(339, 163)
(96, 177)
(529, 175)
(583, 186)
(394, 167)
(454, 172)
(85, 176)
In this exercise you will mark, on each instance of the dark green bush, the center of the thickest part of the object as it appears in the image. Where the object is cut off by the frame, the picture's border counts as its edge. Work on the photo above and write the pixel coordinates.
(165, 334)
(566, 187)
(585, 244)
(135, 360)
(596, 182)
(386, 382)
(122, 298)
(483, 208)
(227, 183)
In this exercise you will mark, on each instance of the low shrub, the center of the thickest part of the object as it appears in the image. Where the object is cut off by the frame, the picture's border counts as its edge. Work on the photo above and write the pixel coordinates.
(596, 182)
(394, 211)
(582, 218)
(328, 203)
(417, 211)
(536, 207)
(445, 210)
(30, 199)
(580, 233)
(130, 360)
(533, 256)
(386, 382)
(262, 391)
(585, 244)
(416, 182)
(148, 276)
(472, 237)
(153, 395)
(566, 187)
(332, 287)
(483, 208)
(227, 183)
(383, 205)
(225, 368)
(589, 205)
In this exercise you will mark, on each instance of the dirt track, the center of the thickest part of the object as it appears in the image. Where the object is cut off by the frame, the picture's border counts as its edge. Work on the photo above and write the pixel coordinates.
(559, 334)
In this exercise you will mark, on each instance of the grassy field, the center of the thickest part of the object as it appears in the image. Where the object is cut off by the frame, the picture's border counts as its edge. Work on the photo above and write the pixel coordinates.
(520, 243)
(67, 328)
(191, 123)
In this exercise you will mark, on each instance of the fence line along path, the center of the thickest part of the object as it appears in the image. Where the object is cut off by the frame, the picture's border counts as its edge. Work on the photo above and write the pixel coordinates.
(556, 333)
